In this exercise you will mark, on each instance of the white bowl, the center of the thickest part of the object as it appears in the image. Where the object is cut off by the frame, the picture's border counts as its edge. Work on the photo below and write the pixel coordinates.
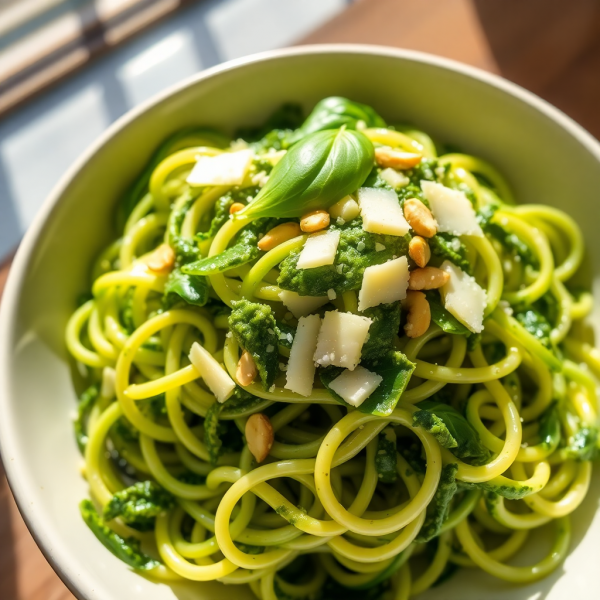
(545, 156)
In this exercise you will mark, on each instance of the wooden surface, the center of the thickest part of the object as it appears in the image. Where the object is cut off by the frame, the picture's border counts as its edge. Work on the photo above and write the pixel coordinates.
(548, 46)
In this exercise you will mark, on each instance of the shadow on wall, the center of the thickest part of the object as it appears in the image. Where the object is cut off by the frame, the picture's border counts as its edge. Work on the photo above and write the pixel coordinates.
(8, 583)
(549, 49)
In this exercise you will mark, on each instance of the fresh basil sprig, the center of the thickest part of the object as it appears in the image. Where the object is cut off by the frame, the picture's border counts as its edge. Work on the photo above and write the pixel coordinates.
(336, 112)
(315, 173)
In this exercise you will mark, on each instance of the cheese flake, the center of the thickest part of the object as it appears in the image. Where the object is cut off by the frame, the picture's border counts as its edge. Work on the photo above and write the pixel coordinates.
(381, 212)
(463, 297)
(300, 306)
(214, 375)
(356, 386)
(452, 210)
(382, 284)
(228, 168)
(394, 178)
(300, 374)
(341, 339)
(319, 250)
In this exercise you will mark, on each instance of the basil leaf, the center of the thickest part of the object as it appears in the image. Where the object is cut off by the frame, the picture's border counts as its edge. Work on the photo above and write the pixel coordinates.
(235, 256)
(395, 369)
(192, 289)
(335, 112)
(315, 173)
(212, 441)
(442, 318)
(383, 330)
(458, 429)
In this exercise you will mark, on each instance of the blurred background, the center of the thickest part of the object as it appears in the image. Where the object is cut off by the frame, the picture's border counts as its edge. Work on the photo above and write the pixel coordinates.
(69, 68)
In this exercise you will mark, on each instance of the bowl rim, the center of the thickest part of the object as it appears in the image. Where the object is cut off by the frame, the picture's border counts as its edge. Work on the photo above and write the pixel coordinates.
(80, 586)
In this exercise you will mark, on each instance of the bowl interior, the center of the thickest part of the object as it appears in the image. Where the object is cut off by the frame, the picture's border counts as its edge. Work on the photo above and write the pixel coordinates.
(544, 156)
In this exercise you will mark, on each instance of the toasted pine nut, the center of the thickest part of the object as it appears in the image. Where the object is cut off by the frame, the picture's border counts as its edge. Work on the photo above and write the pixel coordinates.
(162, 259)
(346, 209)
(314, 221)
(259, 436)
(418, 250)
(395, 159)
(246, 369)
(236, 207)
(278, 235)
(419, 314)
(419, 217)
(428, 278)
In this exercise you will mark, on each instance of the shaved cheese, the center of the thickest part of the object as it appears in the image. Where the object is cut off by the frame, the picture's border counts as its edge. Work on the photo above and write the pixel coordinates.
(384, 283)
(300, 373)
(394, 178)
(452, 210)
(341, 339)
(319, 250)
(381, 212)
(463, 297)
(300, 306)
(356, 386)
(345, 209)
(228, 168)
(214, 375)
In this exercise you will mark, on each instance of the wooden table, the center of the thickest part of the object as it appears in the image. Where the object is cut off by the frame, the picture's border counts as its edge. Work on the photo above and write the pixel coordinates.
(547, 46)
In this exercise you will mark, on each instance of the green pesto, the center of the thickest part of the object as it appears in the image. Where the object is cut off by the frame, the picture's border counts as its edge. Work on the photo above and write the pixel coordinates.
(212, 441)
(84, 406)
(127, 549)
(439, 507)
(186, 250)
(349, 259)
(517, 491)
(383, 330)
(584, 444)
(436, 426)
(139, 505)
(535, 323)
(469, 445)
(285, 331)
(395, 370)
(442, 318)
(315, 173)
(191, 289)
(385, 458)
(243, 251)
(255, 329)
(442, 246)
(239, 402)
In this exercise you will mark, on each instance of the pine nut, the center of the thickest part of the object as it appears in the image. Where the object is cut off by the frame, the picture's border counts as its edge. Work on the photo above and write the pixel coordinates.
(246, 369)
(419, 314)
(236, 207)
(278, 235)
(428, 278)
(419, 217)
(259, 436)
(162, 259)
(314, 221)
(418, 250)
(395, 159)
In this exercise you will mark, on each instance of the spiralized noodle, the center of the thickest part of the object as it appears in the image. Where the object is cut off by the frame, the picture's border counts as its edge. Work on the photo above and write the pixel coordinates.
(316, 505)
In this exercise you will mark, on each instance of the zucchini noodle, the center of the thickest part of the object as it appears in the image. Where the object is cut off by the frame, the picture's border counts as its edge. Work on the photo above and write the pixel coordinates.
(489, 435)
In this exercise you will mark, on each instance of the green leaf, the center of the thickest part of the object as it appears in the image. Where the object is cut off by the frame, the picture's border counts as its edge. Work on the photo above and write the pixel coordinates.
(222, 206)
(442, 318)
(336, 112)
(458, 428)
(128, 550)
(395, 369)
(436, 426)
(139, 505)
(439, 507)
(383, 330)
(385, 458)
(192, 289)
(254, 327)
(315, 173)
(357, 250)
(85, 405)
